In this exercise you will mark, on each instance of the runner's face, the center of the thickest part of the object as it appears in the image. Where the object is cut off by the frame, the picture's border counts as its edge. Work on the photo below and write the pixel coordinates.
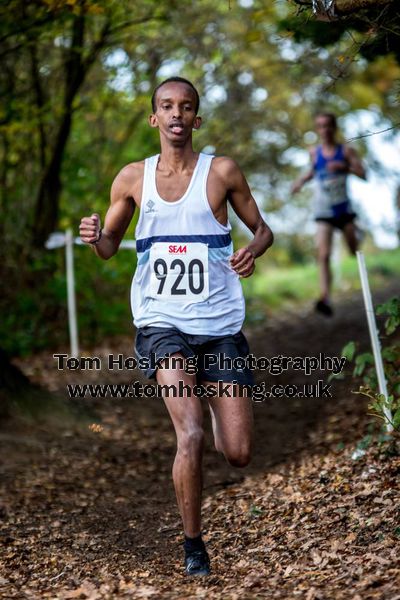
(325, 128)
(175, 115)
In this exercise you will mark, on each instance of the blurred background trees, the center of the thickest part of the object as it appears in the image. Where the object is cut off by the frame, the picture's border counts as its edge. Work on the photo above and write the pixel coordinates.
(75, 87)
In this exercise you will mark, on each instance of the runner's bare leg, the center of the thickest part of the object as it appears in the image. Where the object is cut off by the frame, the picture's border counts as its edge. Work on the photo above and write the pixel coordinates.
(349, 232)
(232, 421)
(324, 248)
(187, 417)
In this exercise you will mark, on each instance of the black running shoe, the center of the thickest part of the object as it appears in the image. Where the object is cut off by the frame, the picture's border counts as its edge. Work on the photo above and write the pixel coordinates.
(197, 563)
(324, 308)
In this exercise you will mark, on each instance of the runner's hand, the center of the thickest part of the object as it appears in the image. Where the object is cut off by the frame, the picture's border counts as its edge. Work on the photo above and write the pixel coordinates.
(89, 229)
(243, 262)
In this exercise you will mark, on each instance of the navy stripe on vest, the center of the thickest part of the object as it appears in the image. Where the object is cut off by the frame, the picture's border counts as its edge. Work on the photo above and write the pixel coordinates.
(213, 241)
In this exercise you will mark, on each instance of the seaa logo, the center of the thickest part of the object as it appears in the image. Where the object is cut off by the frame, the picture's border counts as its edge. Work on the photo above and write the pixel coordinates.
(176, 249)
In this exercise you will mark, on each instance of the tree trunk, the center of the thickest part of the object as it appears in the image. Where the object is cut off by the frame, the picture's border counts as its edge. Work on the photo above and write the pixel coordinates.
(48, 197)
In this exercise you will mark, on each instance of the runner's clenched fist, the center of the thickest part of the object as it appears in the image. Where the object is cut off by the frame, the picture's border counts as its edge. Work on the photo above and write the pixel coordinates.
(242, 261)
(90, 228)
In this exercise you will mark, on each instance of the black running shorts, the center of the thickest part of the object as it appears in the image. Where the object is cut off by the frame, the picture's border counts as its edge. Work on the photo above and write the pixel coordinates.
(339, 222)
(161, 342)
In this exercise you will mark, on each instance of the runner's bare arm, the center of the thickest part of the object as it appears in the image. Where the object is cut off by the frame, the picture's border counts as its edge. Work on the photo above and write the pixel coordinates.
(244, 205)
(298, 184)
(354, 163)
(117, 219)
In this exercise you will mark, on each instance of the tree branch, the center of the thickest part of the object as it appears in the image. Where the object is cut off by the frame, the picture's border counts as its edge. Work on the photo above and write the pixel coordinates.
(365, 135)
(40, 101)
(345, 7)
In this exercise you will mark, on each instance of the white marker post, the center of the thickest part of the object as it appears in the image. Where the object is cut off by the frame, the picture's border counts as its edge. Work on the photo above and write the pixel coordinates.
(72, 321)
(57, 240)
(373, 332)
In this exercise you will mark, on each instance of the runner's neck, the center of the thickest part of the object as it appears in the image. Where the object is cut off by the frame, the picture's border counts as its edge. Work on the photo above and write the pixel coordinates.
(177, 160)
(329, 149)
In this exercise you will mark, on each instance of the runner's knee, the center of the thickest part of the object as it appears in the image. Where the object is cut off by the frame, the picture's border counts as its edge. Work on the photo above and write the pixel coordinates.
(238, 457)
(352, 243)
(191, 440)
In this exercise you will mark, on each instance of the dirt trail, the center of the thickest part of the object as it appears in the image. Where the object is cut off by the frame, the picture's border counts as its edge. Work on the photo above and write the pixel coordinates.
(87, 505)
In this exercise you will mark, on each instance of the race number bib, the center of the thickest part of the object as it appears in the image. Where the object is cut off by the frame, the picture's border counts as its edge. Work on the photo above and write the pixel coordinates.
(179, 271)
(334, 190)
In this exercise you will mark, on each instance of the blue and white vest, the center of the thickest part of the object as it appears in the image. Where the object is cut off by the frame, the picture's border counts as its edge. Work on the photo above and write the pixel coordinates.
(183, 278)
(331, 197)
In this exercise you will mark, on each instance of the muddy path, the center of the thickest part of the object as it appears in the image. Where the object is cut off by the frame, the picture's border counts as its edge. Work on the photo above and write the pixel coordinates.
(87, 499)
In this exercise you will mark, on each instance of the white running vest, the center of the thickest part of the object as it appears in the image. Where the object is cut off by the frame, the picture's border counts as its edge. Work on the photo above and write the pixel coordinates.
(183, 278)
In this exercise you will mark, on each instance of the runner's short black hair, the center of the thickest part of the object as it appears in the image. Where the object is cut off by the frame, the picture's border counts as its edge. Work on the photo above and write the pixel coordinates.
(330, 116)
(177, 80)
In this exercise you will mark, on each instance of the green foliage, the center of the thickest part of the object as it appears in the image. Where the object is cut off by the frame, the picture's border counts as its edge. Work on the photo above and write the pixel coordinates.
(357, 46)
(38, 317)
(91, 65)
(380, 29)
(364, 368)
(362, 362)
(103, 299)
(349, 350)
(278, 283)
(392, 309)
(254, 511)
(320, 33)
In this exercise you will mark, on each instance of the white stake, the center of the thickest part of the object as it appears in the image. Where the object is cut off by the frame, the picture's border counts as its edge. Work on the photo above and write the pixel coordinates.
(73, 328)
(57, 240)
(337, 259)
(373, 332)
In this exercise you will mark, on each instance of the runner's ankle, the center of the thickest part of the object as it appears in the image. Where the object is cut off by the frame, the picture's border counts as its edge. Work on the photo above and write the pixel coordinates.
(193, 544)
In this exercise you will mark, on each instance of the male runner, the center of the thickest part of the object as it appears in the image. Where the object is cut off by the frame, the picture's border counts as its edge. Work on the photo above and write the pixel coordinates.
(186, 295)
(331, 163)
